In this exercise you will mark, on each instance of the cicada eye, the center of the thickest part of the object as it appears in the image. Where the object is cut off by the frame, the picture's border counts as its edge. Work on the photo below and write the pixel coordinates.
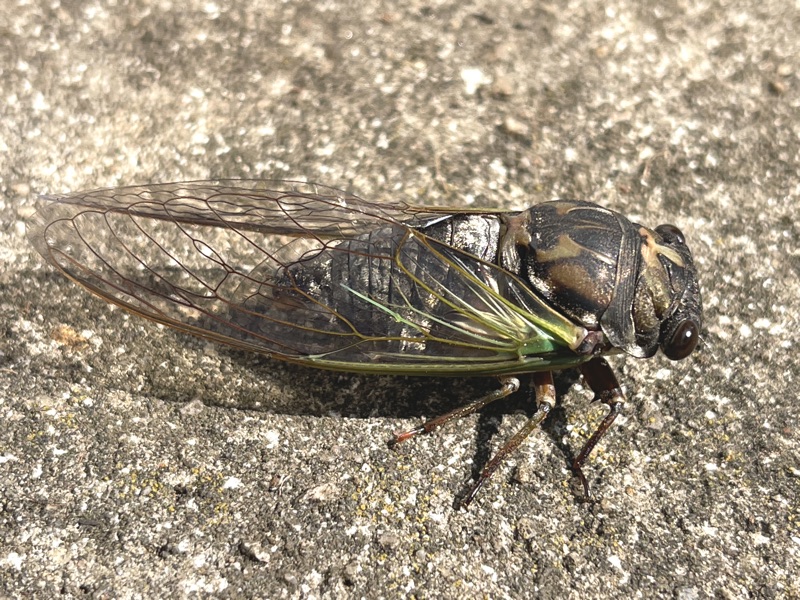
(683, 340)
(670, 232)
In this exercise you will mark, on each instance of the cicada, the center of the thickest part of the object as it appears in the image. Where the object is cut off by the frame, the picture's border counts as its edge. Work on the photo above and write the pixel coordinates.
(320, 277)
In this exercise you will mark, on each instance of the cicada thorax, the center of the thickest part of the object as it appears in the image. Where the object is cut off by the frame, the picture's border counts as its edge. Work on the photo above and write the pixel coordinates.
(603, 271)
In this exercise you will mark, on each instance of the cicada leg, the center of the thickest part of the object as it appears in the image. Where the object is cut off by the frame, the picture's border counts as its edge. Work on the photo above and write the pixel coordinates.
(508, 386)
(546, 399)
(602, 381)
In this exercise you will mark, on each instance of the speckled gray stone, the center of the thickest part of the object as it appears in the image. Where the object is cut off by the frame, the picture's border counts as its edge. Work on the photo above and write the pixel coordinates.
(138, 463)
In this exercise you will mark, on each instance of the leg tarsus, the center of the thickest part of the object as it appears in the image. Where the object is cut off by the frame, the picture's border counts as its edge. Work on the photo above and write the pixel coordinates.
(406, 435)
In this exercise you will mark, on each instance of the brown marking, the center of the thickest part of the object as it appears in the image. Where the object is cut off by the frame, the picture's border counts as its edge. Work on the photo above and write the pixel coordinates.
(651, 249)
(567, 248)
(517, 228)
(655, 278)
(563, 207)
(572, 277)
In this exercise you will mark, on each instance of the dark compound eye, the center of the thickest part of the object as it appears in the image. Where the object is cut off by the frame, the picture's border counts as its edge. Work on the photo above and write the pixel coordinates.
(683, 341)
(670, 232)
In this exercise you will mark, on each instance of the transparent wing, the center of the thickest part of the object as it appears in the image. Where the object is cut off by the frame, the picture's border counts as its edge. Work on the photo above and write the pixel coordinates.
(266, 206)
(303, 273)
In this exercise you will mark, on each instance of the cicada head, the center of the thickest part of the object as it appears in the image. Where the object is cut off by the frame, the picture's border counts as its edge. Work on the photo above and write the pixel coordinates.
(660, 305)
(683, 319)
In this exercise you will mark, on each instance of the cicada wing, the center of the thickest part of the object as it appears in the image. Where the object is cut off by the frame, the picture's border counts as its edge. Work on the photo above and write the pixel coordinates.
(265, 206)
(485, 297)
(331, 281)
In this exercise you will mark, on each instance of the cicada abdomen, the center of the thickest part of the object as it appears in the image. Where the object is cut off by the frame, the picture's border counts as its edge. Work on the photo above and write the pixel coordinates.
(383, 293)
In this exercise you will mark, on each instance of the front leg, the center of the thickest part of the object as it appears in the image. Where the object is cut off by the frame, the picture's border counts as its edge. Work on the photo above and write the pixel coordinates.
(602, 381)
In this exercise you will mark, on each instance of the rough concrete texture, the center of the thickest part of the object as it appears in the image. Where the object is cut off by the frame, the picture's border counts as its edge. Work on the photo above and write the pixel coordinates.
(136, 462)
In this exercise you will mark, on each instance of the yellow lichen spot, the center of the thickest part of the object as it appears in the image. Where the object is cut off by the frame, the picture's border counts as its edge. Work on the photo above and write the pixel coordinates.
(67, 336)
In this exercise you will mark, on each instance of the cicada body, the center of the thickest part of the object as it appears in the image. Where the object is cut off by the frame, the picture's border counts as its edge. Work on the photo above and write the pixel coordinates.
(319, 277)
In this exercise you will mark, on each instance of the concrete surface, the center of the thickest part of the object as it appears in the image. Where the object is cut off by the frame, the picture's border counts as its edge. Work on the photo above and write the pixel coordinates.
(138, 463)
